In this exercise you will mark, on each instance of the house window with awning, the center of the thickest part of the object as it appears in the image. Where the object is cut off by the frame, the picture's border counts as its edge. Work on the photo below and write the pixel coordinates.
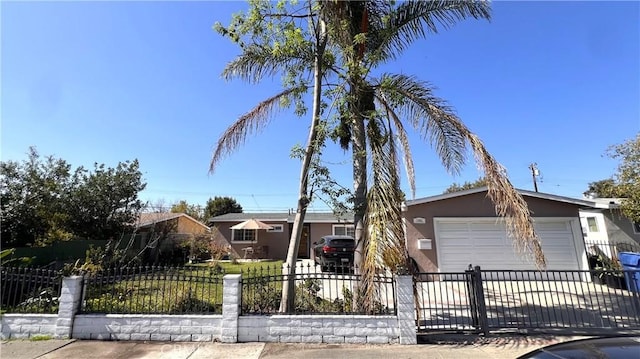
(244, 235)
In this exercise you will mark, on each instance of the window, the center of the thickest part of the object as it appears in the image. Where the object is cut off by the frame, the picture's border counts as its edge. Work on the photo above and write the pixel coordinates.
(276, 228)
(636, 227)
(592, 223)
(244, 235)
(344, 229)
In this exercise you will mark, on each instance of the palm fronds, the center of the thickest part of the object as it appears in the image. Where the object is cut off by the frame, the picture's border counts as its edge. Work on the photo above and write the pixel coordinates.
(412, 20)
(429, 115)
(257, 62)
(437, 122)
(251, 122)
(404, 142)
(384, 244)
(508, 202)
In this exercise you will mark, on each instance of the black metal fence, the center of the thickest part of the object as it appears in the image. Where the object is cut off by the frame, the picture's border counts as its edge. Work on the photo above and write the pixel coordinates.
(479, 300)
(29, 290)
(604, 254)
(154, 290)
(316, 291)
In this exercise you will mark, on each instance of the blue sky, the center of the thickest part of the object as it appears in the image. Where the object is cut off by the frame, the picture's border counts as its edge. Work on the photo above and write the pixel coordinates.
(554, 83)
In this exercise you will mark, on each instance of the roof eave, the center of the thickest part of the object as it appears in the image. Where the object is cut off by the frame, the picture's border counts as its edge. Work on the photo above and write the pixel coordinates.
(547, 196)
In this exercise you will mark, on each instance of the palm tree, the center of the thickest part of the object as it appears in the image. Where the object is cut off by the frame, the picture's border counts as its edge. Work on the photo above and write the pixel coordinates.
(369, 33)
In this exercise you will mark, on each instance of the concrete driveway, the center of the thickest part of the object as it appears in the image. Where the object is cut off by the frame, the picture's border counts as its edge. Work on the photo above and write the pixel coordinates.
(530, 304)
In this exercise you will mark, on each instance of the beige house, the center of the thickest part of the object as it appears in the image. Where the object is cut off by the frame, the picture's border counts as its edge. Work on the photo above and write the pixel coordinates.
(167, 227)
(274, 243)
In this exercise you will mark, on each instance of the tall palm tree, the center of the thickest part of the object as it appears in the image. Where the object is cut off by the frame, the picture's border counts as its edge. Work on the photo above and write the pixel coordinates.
(365, 34)
(369, 33)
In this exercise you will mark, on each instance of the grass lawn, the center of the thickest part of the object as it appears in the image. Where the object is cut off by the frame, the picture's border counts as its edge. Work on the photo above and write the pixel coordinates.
(228, 267)
(195, 288)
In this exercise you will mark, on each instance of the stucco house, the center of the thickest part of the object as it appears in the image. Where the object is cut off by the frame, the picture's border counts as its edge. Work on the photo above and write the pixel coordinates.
(448, 232)
(169, 227)
(274, 243)
(606, 230)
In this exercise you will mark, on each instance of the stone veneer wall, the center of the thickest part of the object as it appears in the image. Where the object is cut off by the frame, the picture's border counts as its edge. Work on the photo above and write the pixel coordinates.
(24, 326)
(230, 327)
(183, 328)
(352, 329)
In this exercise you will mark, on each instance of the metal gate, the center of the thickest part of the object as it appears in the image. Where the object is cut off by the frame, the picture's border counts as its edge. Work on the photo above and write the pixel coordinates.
(481, 301)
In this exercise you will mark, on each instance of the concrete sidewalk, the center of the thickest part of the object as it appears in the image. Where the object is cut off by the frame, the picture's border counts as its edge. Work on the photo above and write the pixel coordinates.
(474, 347)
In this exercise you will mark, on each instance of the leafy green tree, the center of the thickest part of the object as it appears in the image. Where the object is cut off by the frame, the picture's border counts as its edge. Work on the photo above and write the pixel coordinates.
(480, 182)
(42, 201)
(628, 176)
(104, 203)
(32, 196)
(606, 188)
(279, 43)
(192, 210)
(626, 182)
(218, 206)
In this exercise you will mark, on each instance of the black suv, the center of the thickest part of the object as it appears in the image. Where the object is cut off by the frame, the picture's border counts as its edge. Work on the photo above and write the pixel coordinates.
(334, 251)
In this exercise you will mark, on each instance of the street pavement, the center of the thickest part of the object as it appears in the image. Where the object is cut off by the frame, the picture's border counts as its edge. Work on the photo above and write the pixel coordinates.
(458, 348)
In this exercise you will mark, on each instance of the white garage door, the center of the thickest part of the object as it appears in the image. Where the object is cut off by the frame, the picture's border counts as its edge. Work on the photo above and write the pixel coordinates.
(484, 242)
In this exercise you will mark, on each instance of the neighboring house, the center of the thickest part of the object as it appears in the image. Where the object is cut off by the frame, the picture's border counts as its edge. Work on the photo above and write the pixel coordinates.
(274, 243)
(449, 232)
(168, 228)
(606, 230)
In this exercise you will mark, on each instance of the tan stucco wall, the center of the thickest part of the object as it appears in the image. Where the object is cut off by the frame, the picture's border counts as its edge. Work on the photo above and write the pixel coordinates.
(186, 225)
(276, 242)
(473, 205)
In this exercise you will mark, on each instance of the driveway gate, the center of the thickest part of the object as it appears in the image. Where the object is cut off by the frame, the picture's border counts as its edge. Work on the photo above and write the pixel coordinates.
(481, 301)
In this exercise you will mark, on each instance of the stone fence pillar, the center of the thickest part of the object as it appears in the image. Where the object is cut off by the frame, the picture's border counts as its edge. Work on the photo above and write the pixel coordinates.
(69, 303)
(406, 310)
(231, 302)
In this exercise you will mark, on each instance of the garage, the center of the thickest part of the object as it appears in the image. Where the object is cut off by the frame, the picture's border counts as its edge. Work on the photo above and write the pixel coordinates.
(447, 232)
(484, 242)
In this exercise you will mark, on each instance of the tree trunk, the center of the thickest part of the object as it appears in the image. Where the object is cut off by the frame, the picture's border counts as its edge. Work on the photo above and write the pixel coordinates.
(304, 198)
(358, 144)
(359, 183)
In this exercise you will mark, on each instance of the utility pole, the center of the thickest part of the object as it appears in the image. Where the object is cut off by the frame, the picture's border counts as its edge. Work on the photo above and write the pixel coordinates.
(534, 173)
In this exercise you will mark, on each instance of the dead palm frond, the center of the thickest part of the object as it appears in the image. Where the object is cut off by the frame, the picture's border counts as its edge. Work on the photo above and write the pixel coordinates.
(384, 244)
(251, 122)
(439, 124)
(508, 203)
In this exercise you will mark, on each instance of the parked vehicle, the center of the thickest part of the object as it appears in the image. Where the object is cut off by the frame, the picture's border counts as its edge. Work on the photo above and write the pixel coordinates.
(334, 252)
(612, 347)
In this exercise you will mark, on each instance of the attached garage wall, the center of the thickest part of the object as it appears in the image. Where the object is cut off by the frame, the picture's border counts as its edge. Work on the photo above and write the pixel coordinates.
(476, 205)
(484, 242)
